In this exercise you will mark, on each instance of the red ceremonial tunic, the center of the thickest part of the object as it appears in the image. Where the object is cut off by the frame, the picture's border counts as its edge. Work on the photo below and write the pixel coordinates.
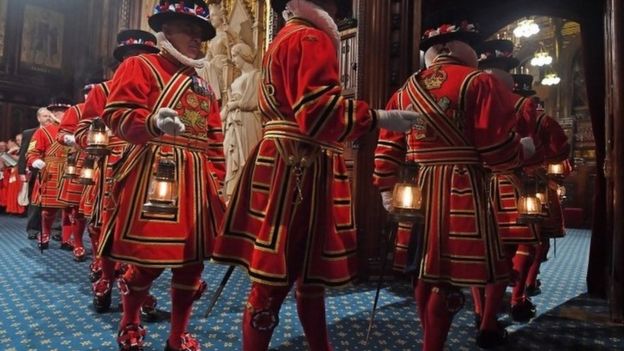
(506, 186)
(466, 126)
(553, 147)
(141, 86)
(308, 119)
(13, 187)
(90, 202)
(44, 147)
(4, 185)
(71, 189)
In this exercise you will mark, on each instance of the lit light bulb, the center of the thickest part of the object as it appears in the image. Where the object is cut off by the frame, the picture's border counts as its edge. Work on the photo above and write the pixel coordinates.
(551, 79)
(526, 28)
(407, 198)
(164, 190)
(541, 58)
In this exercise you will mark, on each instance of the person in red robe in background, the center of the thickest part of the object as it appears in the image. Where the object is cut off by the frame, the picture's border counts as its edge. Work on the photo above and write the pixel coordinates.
(465, 130)
(12, 179)
(71, 189)
(4, 172)
(48, 156)
(552, 147)
(170, 118)
(496, 58)
(290, 219)
(103, 270)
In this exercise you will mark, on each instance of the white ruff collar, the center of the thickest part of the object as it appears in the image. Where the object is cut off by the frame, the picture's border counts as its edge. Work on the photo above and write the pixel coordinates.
(315, 15)
(166, 45)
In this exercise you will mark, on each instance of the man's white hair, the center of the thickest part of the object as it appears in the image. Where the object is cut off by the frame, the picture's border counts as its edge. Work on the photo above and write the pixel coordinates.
(42, 110)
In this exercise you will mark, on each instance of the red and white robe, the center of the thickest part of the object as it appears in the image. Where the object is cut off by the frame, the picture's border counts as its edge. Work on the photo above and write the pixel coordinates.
(140, 87)
(506, 186)
(44, 146)
(71, 189)
(467, 123)
(294, 194)
(553, 147)
(92, 197)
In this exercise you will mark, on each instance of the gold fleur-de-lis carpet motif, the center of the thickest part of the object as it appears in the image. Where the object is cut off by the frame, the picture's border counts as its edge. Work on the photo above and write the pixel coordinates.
(45, 304)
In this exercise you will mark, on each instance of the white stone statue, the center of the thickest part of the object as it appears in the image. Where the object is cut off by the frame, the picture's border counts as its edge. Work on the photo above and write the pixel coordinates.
(242, 122)
(218, 70)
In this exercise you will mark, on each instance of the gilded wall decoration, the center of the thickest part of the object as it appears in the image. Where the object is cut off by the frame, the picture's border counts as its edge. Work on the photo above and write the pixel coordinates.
(3, 21)
(42, 38)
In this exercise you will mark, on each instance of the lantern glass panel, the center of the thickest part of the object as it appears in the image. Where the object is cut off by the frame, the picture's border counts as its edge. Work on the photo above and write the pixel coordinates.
(87, 171)
(407, 196)
(162, 195)
(97, 138)
(529, 205)
(555, 169)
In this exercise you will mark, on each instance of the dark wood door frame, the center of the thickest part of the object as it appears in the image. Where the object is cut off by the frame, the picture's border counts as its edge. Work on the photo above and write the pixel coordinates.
(614, 163)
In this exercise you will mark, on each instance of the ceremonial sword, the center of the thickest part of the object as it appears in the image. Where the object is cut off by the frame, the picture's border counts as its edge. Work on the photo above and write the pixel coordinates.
(393, 231)
(217, 293)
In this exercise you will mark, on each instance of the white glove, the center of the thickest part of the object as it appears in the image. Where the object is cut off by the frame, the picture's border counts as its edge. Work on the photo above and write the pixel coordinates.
(38, 164)
(69, 139)
(386, 200)
(396, 120)
(168, 121)
(528, 146)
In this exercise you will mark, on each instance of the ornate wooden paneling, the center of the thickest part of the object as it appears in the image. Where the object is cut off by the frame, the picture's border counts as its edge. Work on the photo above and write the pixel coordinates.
(614, 164)
(387, 54)
(51, 48)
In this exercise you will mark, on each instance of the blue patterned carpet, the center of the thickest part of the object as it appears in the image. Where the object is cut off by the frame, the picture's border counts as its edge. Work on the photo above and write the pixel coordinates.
(45, 304)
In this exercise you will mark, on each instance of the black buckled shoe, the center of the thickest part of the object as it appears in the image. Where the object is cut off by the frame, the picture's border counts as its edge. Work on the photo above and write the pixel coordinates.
(487, 339)
(523, 311)
(532, 290)
(67, 246)
(189, 343)
(102, 295)
(149, 313)
(95, 270)
(130, 338)
(80, 254)
(43, 241)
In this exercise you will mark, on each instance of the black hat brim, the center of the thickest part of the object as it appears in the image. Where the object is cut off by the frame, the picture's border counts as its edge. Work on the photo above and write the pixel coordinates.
(156, 22)
(53, 108)
(279, 5)
(525, 93)
(504, 63)
(122, 51)
(470, 38)
(345, 9)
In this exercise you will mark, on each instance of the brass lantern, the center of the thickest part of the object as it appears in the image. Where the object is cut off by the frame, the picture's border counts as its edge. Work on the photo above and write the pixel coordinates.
(87, 172)
(556, 170)
(407, 195)
(529, 205)
(542, 193)
(71, 171)
(97, 138)
(162, 197)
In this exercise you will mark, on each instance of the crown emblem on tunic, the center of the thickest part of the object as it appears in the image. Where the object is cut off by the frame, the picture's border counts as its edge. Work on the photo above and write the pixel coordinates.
(435, 80)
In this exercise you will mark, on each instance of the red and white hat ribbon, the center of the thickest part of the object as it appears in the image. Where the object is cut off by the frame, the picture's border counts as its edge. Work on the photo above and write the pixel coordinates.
(495, 54)
(450, 28)
(179, 7)
(133, 41)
